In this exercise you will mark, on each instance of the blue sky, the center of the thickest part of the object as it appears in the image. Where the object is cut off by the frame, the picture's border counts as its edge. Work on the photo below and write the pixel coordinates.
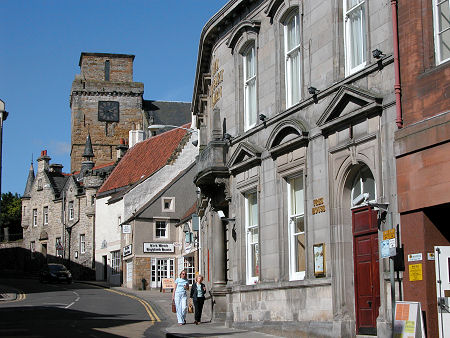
(40, 45)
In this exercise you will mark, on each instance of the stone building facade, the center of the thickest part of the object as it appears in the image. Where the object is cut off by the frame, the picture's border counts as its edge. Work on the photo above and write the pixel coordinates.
(106, 102)
(297, 124)
(422, 149)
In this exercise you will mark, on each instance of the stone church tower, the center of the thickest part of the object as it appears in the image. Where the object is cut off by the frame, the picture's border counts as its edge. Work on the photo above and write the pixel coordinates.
(104, 102)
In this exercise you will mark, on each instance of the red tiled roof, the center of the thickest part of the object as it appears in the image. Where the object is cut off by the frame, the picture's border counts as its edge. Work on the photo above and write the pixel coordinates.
(191, 210)
(143, 159)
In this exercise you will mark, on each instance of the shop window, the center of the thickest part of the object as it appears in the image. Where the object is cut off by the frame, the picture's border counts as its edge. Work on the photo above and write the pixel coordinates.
(355, 35)
(296, 228)
(252, 237)
(190, 269)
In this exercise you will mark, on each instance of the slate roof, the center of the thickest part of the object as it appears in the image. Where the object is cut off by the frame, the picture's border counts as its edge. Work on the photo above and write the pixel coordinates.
(144, 159)
(166, 112)
(30, 180)
(57, 182)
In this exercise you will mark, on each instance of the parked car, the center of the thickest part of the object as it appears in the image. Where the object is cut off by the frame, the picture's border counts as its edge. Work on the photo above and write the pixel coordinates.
(55, 273)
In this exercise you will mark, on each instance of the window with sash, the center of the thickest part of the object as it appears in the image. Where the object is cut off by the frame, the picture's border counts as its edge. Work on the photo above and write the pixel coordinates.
(35, 217)
(355, 35)
(293, 59)
(296, 228)
(250, 101)
(161, 229)
(115, 262)
(252, 237)
(441, 17)
(45, 211)
(82, 244)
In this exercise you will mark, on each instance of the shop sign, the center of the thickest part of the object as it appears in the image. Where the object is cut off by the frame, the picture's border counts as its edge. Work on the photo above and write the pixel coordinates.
(127, 250)
(126, 228)
(415, 257)
(389, 234)
(168, 283)
(430, 256)
(159, 247)
(319, 206)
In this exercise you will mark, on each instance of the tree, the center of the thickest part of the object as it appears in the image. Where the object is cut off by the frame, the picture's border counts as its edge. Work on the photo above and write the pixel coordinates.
(10, 216)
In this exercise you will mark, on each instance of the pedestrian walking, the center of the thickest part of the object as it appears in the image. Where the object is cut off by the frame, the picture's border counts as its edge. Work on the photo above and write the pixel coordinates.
(198, 292)
(179, 295)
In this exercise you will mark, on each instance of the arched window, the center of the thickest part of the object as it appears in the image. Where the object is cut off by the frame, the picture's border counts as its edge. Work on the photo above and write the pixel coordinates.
(292, 57)
(249, 61)
(363, 183)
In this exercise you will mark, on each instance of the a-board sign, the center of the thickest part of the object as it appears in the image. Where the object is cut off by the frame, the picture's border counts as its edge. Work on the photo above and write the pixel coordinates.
(168, 283)
(408, 320)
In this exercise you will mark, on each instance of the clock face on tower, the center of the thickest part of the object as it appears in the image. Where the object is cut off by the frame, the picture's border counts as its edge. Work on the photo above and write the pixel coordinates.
(108, 111)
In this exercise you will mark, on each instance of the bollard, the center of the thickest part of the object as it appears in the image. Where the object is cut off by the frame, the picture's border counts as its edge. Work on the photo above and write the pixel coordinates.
(144, 282)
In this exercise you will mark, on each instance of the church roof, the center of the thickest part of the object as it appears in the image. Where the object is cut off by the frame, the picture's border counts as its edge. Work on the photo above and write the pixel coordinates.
(88, 151)
(144, 159)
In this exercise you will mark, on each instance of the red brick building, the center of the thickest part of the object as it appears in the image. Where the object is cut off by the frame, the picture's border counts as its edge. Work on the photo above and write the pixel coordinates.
(422, 146)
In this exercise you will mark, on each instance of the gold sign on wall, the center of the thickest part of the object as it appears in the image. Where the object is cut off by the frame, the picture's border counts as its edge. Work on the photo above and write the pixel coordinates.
(216, 82)
(319, 206)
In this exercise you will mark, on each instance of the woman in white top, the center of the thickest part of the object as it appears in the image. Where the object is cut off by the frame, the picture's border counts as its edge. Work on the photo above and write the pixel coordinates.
(179, 295)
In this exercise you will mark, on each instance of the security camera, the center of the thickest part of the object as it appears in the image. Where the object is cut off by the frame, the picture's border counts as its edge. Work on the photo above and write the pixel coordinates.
(221, 214)
(361, 198)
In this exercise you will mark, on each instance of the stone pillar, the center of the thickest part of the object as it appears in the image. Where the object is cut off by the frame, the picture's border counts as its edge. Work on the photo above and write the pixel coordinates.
(218, 269)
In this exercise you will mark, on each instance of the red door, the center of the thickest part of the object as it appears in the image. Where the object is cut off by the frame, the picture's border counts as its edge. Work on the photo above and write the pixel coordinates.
(367, 275)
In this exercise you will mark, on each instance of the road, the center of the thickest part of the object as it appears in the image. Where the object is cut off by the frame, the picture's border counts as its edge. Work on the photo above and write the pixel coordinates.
(75, 310)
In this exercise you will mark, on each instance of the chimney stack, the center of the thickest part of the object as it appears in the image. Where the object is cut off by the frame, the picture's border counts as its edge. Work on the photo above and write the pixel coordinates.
(135, 136)
(121, 149)
(43, 161)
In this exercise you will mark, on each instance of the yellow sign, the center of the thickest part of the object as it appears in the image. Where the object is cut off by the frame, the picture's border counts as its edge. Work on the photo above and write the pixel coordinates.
(410, 326)
(388, 234)
(319, 206)
(415, 272)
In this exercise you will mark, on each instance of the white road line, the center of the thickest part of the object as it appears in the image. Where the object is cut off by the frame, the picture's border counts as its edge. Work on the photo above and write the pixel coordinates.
(76, 300)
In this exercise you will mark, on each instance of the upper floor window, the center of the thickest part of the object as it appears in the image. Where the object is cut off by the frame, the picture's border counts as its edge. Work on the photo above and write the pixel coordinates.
(252, 237)
(249, 87)
(35, 217)
(45, 215)
(441, 16)
(292, 57)
(71, 213)
(82, 244)
(296, 228)
(355, 35)
(107, 69)
(161, 229)
(168, 204)
(39, 187)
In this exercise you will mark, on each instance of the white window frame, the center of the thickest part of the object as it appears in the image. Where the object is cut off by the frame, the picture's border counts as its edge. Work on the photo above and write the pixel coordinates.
(171, 200)
(293, 273)
(248, 243)
(361, 184)
(347, 37)
(166, 230)
(45, 216)
(437, 33)
(115, 262)
(251, 49)
(82, 243)
(35, 221)
(71, 213)
(288, 55)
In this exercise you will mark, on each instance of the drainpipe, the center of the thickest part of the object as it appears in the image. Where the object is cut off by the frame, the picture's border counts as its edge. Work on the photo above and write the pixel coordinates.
(397, 85)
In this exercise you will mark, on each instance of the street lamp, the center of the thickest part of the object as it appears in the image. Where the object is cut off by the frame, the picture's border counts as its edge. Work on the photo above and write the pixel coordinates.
(3, 116)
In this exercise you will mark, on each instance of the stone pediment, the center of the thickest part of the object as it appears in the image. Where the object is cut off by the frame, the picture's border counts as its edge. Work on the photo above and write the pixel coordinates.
(43, 235)
(241, 28)
(350, 104)
(288, 135)
(245, 156)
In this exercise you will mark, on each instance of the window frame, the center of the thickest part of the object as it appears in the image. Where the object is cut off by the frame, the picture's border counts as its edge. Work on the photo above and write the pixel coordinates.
(166, 235)
(45, 215)
(361, 170)
(35, 218)
(347, 36)
(288, 57)
(115, 262)
(293, 273)
(82, 243)
(251, 46)
(436, 33)
(251, 280)
(71, 210)
(172, 204)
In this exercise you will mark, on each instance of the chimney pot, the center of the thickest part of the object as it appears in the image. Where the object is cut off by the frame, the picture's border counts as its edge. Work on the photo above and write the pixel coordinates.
(122, 141)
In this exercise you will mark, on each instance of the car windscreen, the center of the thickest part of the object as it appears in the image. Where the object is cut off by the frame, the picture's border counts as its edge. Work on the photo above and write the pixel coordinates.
(56, 268)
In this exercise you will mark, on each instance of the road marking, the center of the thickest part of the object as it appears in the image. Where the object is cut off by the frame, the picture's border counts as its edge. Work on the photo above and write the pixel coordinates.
(76, 300)
(151, 313)
(19, 297)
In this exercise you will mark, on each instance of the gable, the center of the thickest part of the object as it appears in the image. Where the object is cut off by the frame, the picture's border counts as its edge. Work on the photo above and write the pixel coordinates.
(350, 104)
(245, 156)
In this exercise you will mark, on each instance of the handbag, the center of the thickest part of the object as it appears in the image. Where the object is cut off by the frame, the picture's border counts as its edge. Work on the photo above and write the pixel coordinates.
(174, 308)
(190, 308)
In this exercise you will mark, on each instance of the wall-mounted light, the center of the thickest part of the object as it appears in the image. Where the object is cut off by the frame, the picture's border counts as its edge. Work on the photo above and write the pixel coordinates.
(227, 137)
(262, 117)
(377, 54)
(313, 90)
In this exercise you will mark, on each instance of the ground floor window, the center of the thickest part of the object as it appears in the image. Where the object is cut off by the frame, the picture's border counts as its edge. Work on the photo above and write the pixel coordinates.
(161, 268)
(252, 237)
(190, 269)
(115, 262)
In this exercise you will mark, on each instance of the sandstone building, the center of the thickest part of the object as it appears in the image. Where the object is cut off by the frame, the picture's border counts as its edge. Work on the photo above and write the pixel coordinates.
(296, 109)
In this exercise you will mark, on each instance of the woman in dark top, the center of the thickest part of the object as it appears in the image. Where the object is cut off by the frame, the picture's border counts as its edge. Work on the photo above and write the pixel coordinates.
(198, 293)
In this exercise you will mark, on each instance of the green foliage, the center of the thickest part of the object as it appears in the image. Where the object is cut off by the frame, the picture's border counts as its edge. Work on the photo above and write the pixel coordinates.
(10, 216)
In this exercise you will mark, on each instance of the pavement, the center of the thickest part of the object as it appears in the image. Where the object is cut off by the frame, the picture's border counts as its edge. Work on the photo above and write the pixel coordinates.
(7, 293)
(162, 303)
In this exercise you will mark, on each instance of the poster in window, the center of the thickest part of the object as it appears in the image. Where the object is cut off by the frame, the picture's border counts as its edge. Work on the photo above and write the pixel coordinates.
(319, 259)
